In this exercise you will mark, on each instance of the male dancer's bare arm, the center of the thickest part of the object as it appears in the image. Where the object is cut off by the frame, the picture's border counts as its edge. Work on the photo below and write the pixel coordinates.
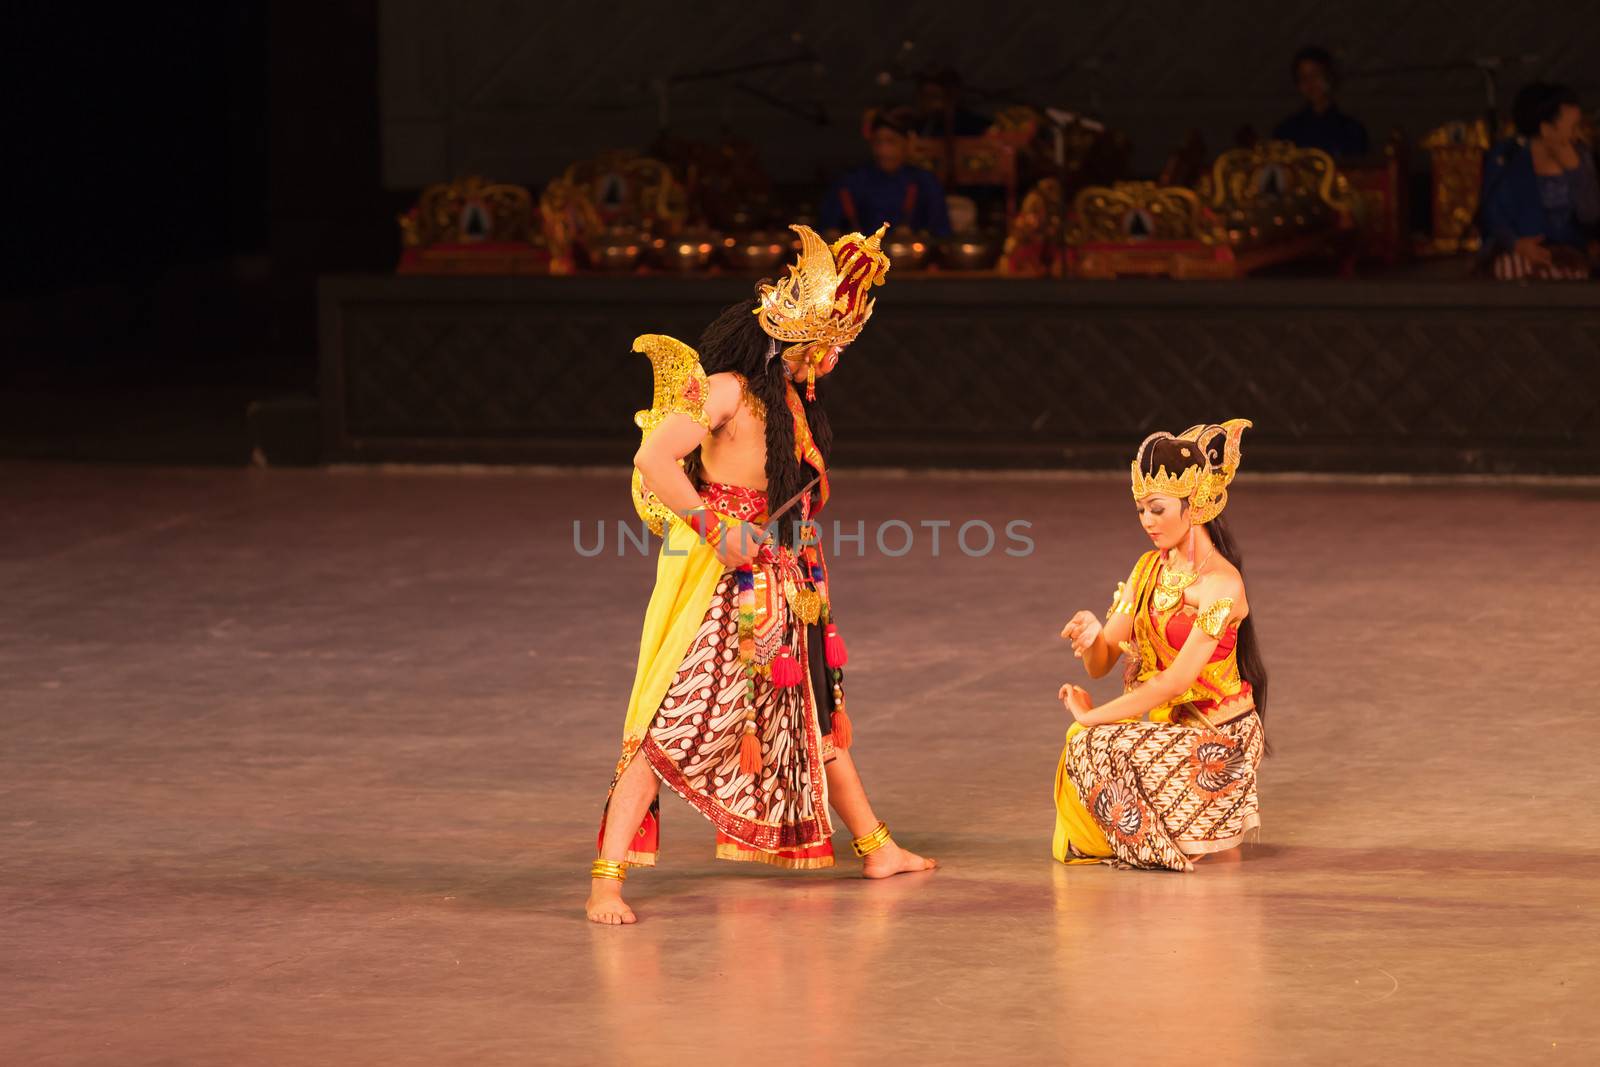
(676, 437)
(657, 461)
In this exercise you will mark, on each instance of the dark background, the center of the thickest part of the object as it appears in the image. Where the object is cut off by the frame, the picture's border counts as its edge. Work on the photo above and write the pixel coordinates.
(181, 176)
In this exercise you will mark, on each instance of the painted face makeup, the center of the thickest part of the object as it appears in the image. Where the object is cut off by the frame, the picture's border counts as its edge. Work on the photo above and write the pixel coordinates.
(823, 357)
(1164, 519)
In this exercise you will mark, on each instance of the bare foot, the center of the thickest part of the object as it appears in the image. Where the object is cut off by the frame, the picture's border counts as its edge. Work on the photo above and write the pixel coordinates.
(891, 860)
(606, 905)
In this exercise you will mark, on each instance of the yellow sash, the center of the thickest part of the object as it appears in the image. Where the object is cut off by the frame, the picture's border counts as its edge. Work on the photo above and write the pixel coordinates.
(686, 579)
(1075, 827)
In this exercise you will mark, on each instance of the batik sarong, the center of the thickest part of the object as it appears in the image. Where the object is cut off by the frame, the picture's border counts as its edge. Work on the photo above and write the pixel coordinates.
(779, 815)
(1161, 792)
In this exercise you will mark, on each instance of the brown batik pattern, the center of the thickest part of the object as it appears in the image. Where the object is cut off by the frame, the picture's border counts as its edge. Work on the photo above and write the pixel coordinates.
(1163, 792)
(693, 744)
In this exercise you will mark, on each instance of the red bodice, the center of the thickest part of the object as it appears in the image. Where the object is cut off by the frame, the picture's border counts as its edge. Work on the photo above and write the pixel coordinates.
(1181, 624)
(1219, 690)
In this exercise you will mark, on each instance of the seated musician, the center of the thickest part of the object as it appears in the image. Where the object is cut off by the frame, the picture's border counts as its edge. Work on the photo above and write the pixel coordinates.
(1540, 205)
(1320, 124)
(888, 190)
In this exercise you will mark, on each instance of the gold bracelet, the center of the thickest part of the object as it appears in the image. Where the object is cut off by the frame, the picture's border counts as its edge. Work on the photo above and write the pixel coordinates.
(871, 842)
(606, 869)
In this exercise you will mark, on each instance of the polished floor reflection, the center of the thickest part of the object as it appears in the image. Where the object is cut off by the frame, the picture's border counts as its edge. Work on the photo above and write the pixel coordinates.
(305, 767)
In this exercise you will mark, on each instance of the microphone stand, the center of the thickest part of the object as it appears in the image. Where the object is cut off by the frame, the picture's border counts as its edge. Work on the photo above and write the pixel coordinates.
(816, 113)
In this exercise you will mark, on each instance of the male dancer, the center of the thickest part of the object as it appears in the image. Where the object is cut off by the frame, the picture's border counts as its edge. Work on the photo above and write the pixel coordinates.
(738, 701)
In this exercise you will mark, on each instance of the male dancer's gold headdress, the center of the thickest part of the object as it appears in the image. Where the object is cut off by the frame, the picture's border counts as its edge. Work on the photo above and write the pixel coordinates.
(1206, 458)
(823, 301)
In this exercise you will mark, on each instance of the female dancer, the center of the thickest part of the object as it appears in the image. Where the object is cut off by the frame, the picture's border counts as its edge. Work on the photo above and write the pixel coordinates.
(1163, 792)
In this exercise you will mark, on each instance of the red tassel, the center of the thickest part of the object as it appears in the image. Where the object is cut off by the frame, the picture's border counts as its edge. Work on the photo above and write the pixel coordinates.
(785, 669)
(750, 753)
(833, 647)
(842, 732)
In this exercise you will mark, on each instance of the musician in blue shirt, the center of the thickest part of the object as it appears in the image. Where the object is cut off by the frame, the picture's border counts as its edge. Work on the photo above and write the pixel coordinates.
(1320, 124)
(1540, 202)
(888, 190)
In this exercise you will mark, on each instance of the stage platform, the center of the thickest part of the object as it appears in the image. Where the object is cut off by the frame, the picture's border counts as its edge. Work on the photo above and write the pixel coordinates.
(305, 767)
(1408, 373)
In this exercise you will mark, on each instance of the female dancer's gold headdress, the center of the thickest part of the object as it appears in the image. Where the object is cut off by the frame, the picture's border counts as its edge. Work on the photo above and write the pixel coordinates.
(1207, 458)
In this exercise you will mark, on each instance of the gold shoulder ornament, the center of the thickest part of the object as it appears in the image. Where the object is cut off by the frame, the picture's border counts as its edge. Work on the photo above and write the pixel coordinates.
(1214, 616)
(680, 389)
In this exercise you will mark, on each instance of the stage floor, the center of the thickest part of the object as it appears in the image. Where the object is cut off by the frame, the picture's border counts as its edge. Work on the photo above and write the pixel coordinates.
(305, 767)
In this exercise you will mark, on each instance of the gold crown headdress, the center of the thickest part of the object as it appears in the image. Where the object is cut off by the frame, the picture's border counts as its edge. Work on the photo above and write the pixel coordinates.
(823, 301)
(1204, 480)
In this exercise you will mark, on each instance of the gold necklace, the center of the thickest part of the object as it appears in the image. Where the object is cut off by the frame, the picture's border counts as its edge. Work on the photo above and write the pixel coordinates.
(1170, 584)
(757, 406)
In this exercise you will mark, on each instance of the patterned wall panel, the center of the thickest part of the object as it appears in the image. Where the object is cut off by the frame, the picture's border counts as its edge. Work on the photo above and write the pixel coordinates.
(1337, 375)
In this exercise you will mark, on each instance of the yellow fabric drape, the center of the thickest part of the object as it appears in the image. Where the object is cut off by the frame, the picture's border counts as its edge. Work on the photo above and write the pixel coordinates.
(686, 579)
(1074, 824)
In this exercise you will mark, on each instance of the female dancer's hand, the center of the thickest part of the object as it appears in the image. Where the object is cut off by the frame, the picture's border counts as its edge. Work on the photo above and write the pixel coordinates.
(1083, 630)
(1077, 700)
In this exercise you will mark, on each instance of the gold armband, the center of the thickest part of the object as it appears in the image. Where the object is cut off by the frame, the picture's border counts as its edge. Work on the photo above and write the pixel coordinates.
(1119, 606)
(1214, 616)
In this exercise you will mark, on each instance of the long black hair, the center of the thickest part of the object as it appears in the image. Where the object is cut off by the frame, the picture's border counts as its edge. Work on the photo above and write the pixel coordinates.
(1251, 667)
(736, 342)
(1176, 455)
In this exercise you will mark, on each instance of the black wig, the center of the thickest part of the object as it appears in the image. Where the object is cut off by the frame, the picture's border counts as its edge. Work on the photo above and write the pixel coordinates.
(736, 342)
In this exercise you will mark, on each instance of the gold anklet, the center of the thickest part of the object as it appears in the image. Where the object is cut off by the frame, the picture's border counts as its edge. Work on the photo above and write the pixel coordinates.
(607, 869)
(871, 842)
